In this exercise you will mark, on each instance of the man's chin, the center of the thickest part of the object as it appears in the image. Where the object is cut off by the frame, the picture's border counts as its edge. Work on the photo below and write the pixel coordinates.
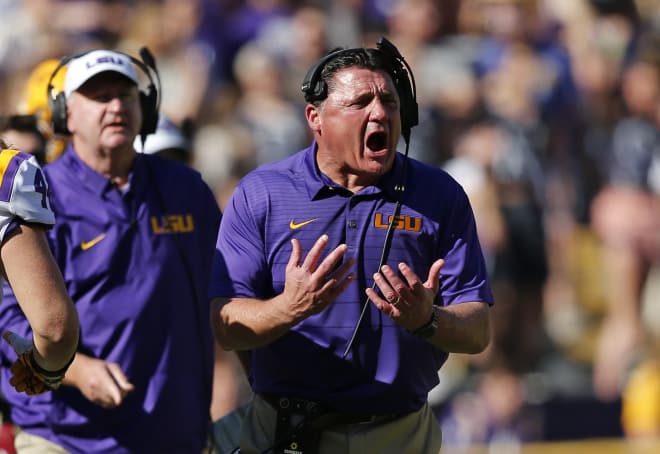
(119, 140)
(378, 154)
(381, 161)
(377, 169)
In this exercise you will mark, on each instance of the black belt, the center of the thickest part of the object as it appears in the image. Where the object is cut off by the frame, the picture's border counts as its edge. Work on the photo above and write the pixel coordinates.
(321, 416)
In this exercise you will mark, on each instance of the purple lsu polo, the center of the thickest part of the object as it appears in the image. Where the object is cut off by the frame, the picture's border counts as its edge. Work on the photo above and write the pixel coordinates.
(388, 369)
(136, 267)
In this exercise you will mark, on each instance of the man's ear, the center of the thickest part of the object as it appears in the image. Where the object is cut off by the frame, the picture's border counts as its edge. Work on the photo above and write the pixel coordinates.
(313, 118)
(69, 100)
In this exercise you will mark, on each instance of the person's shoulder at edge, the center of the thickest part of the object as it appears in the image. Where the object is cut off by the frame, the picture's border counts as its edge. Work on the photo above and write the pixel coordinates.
(289, 167)
(427, 176)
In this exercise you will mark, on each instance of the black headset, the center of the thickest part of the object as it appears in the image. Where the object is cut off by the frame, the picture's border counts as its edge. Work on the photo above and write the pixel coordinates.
(315, 89)
(149, 99)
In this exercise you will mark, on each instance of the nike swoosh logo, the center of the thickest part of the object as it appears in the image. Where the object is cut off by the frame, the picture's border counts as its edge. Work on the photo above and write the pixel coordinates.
(91, 243)
(294, 226)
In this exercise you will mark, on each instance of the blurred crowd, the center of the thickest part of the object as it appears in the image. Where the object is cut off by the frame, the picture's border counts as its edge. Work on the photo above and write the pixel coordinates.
(546, 111)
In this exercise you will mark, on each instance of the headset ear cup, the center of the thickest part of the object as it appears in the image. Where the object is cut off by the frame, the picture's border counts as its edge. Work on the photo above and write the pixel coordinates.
(409, 109)
(313, 87)
(148, 104)
(59, 114)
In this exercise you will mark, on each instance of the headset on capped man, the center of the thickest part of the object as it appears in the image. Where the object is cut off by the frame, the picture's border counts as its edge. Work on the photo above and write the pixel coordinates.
(149, 99)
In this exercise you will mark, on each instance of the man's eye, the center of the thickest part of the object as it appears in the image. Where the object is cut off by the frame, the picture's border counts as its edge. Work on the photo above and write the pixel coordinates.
(390, 102)
(102, 98)
(362, 102)
(107, 97)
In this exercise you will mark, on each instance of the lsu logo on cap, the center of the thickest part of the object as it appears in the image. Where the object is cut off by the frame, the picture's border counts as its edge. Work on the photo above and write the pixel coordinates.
(105, 59)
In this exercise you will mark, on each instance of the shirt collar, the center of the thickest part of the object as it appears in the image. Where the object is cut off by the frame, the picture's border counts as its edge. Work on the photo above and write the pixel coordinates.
(90, 178)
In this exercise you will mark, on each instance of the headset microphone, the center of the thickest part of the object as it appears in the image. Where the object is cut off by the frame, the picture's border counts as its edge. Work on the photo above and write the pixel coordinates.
(152, 97)
(147, 57)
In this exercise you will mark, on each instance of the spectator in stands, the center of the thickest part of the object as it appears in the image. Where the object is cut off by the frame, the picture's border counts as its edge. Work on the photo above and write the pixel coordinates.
(626, 217)
(168, 141)
(22, 132)
(34, 101)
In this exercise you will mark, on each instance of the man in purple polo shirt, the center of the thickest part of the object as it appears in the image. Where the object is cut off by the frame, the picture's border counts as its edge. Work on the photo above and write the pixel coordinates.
(346, 273)
(134, 239)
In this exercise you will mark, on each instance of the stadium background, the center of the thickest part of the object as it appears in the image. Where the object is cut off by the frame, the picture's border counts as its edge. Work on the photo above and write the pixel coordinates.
(547, 70)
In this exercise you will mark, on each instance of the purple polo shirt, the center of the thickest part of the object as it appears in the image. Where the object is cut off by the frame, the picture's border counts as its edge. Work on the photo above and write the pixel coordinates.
(136, 266)
(388, 369)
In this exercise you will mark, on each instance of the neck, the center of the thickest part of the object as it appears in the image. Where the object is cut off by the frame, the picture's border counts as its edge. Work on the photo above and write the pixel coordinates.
(114, 164)
(342, 174)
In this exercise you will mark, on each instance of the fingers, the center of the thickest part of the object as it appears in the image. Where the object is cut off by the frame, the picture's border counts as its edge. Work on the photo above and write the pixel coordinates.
(339, 281)
(296, 253)
(19, 376)
(433, 281)
(120, 384)
(384, 285)
(329, 263)
(313, 283)
(403, 296)
(340, 275)
(23, 379)
(381, 303)
(119, 378)
(392, 286)
(318, 274)
(312, 258)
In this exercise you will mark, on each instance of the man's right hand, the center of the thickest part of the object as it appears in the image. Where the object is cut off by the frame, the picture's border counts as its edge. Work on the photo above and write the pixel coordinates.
(311, 286)
(101, 382)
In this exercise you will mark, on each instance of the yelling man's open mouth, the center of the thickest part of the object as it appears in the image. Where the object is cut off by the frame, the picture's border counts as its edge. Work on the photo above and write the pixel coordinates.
(377, 142)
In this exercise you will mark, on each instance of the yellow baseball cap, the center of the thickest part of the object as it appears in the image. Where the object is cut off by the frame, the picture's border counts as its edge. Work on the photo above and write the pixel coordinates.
(35, 96)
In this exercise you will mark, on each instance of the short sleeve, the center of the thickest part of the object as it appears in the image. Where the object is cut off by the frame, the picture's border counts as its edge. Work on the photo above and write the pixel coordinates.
(23, 191)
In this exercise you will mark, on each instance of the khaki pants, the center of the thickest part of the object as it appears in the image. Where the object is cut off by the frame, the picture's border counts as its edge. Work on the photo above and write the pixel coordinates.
(415, 433)
(26, 443)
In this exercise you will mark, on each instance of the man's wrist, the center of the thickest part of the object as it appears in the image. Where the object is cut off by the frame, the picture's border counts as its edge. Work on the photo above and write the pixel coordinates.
(49, 374)
(427, 330)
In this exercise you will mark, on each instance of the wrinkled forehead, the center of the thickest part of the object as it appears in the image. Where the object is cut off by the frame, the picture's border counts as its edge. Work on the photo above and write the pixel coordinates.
(357, 79)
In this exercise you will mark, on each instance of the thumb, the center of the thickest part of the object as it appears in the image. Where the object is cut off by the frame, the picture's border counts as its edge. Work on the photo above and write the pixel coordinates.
(20, 344)
(433, 279)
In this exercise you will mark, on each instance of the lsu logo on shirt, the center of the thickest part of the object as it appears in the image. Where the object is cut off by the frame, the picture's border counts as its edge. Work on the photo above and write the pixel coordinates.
(408, 223)
(172, 223)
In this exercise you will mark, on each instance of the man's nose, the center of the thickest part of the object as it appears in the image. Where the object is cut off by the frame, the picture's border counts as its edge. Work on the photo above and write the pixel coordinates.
(116, 103)
(378, 110)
